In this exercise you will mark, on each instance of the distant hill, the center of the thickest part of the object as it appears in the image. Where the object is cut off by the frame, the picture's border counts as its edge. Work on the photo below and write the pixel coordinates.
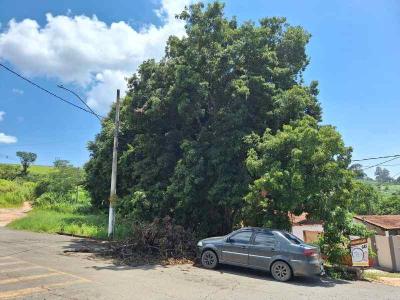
(35, 169)
(386, 189)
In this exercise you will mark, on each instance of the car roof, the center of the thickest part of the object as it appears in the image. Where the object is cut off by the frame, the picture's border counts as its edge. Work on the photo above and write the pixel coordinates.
(259, 229)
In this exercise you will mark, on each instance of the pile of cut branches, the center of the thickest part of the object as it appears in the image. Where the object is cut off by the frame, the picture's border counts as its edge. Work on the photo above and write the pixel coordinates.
(160, 241)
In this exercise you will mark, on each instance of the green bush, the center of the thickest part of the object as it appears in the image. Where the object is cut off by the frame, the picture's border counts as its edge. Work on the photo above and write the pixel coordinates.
(14, 193)
(9, 172)
(132, 206)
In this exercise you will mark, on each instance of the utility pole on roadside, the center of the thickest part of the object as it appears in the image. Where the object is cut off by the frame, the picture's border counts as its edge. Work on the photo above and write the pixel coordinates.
(113, 189)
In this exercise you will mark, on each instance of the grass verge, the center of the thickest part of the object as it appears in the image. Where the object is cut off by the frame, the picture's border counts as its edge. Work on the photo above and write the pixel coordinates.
(14, 193)
(377, 274)
(89, 225)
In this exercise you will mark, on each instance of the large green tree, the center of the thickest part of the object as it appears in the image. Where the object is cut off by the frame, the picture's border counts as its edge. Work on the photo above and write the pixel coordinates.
(185, 118)
(301, 168)
(304, 168)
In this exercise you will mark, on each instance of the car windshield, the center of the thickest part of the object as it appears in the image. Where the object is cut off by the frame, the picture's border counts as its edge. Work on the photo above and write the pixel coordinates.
(292, 238)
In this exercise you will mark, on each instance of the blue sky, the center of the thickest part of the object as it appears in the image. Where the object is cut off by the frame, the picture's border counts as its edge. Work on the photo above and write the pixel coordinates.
(354, 53)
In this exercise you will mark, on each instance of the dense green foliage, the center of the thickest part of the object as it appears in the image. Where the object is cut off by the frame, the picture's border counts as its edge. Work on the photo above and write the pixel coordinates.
(60, 185)
(9, 172)
(386, 198)
(14, 193)
(358, 171)
(185, 118)
(304, 168)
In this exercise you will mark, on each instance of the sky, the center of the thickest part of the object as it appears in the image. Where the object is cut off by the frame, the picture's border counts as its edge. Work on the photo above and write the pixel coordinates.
(91, 46)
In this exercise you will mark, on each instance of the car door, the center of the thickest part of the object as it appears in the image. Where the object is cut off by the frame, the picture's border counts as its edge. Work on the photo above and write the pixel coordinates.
(262, 249)
(235, 249)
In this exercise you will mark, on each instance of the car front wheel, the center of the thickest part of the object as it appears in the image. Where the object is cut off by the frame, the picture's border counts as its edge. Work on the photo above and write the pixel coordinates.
(281, 271)
(209, 259)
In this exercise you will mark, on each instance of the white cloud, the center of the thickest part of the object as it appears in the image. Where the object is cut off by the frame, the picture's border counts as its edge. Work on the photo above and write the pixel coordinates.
(2, 113)
(104, 91)
(7, 139)
(83, 49)
(17, 91)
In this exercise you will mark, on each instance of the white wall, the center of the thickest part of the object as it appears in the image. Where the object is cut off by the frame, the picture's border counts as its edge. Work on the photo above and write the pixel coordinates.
(297, 230)
(396, 246)
(383, 252)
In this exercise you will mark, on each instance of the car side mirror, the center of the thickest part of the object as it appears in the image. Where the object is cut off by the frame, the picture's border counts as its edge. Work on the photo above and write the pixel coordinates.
(228, 240)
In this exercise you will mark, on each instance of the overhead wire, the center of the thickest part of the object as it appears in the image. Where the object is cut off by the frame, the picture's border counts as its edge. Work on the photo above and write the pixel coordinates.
(46, 90)
(80, 99)
(90, 111)
(378, 157)
(369, 167)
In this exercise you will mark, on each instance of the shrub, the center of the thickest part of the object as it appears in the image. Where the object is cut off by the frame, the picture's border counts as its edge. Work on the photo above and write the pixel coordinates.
(14, 193)
(134, 206)
(9, 172)
(160, 239)
(41, 187)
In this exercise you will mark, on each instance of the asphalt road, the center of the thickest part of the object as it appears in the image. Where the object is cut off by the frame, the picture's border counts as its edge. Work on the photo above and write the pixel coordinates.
(35, 266)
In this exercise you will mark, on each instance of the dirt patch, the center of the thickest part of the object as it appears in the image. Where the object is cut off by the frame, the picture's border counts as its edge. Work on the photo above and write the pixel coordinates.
(7, 215)
(389, 281)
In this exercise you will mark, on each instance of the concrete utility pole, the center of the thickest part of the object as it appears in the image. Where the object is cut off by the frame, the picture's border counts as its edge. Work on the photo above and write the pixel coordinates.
(113, 190)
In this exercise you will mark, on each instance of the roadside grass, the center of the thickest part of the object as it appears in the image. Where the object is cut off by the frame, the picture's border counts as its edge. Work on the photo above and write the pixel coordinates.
(377, 274)
(68, 220)
(14, 193)
(53, 212)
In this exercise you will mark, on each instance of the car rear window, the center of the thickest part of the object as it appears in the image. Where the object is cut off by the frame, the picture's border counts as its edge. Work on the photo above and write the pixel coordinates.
(292, 238)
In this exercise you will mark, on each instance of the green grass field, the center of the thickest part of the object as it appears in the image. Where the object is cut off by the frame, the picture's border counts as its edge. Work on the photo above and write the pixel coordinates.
(82, 224)
(52, 213)
(34, 169)
(386, 189)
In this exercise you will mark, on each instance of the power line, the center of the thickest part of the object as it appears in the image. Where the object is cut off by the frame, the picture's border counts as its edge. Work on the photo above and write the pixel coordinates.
(46, 90)
(378, 157)
(369, 167)
(80, 99)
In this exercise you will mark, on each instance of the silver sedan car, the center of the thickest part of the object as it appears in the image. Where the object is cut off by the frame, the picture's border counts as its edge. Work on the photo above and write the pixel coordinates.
(277, 251)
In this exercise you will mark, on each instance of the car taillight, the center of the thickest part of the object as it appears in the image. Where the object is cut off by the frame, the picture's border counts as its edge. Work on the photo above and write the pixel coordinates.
(310, 252)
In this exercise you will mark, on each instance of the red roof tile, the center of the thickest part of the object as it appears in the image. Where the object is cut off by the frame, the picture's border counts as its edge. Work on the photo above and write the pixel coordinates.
(383, 221)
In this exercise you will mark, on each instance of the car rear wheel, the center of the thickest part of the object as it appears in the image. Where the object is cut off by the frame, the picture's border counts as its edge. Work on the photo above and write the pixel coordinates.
(281, 271)
(209, 259)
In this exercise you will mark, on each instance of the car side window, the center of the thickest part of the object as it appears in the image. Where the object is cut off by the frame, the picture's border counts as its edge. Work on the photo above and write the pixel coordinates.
(265, 238)
(242, 237)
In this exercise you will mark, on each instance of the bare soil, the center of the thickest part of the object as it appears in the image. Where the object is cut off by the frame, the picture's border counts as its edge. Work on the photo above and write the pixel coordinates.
(7, 215)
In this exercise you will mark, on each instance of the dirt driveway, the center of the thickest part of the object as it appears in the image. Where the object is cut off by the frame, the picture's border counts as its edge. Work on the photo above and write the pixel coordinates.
(7, 215)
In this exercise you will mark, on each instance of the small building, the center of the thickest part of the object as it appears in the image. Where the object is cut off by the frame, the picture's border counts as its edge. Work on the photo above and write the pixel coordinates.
(382, 224)
(386, 241)
(306, 229)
